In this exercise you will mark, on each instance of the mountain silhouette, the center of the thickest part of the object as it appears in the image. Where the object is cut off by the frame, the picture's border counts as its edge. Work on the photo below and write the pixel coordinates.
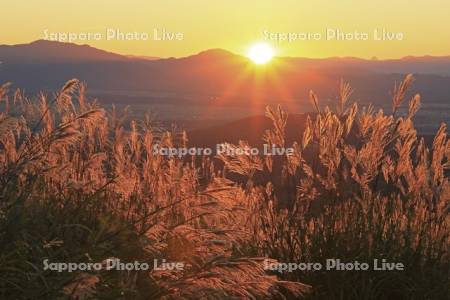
(43, 51)
(217, 74)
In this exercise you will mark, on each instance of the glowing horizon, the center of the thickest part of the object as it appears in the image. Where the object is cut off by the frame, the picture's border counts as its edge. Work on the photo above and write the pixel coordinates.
(235, 26)
(260, 53)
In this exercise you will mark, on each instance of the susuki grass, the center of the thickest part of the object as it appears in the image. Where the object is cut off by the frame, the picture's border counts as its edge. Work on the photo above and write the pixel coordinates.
(76, 186)
(360, 186)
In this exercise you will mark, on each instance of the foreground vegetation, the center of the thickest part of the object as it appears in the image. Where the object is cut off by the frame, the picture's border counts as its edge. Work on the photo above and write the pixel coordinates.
(75, 186)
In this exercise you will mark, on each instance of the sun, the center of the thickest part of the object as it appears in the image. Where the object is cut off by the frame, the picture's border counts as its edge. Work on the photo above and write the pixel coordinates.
(260, 53)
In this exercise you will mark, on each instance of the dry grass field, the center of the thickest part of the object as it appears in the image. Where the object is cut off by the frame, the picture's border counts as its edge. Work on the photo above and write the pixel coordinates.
(75, 186)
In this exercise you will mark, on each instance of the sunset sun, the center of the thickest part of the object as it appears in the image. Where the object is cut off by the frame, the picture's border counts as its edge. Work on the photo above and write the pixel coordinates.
(260, 53)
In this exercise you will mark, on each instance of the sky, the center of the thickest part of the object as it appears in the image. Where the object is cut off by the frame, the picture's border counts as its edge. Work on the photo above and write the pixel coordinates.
(315, 27)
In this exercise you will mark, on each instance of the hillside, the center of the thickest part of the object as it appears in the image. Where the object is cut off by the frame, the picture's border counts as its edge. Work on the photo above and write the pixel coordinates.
(42, 51)
(250, 129)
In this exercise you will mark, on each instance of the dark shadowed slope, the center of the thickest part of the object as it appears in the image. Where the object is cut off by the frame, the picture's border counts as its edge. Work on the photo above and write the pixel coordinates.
(250, 129)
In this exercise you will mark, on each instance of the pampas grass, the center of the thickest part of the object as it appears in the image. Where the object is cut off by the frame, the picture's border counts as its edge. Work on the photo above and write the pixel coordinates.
(79, 183)
(362, 186)
(75, 186)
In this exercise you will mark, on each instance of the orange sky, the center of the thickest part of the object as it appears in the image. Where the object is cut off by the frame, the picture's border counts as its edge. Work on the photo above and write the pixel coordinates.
(235, 25)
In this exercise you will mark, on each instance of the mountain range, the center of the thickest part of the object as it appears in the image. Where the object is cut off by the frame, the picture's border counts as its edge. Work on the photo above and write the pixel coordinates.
(214, 73)
(218, 78)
